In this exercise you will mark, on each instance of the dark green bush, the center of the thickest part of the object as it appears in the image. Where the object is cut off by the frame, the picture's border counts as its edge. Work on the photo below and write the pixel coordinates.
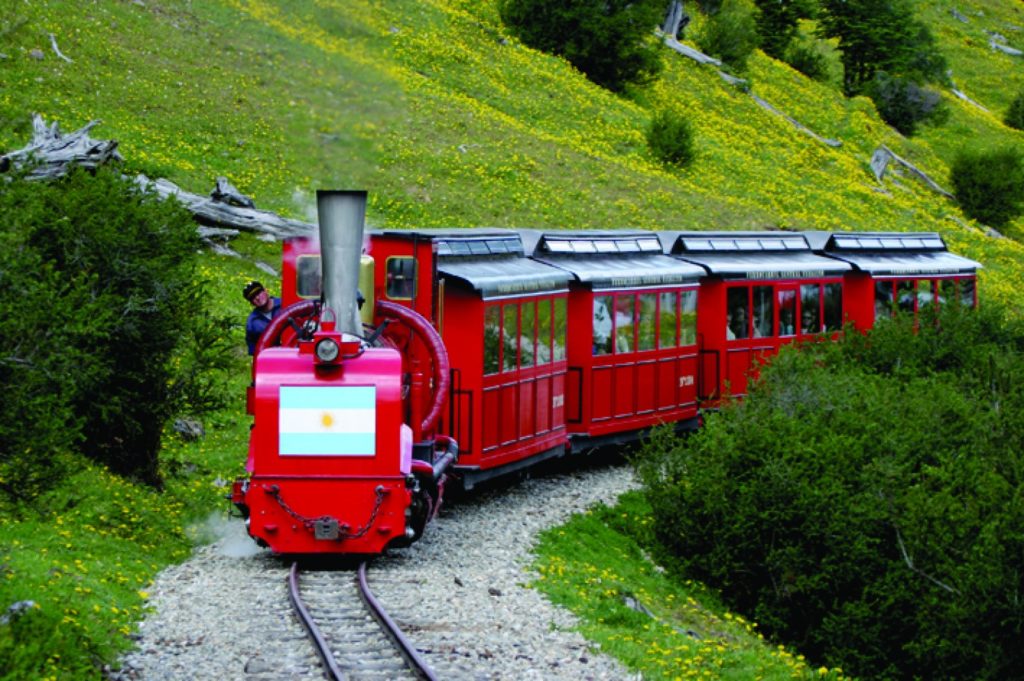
(989, 184)
(670, 137)
(1015, 114)
(865, 502)
(611, 41)
(731, 33)
(808, 60)
(100, 298)
(905, 104)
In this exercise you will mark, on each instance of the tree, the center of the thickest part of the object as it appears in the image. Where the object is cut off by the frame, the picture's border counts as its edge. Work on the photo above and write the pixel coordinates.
(611, 41)
(880, 35)
(731, 33)
(777, 25)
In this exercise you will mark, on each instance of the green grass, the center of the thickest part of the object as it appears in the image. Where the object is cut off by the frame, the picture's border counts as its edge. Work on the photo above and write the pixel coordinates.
(595, 565)
(447, 121)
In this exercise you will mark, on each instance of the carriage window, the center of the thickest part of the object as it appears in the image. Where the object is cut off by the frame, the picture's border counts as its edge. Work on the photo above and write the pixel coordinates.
(492, 339)
(967, 292)
(883, 300)
(833, 307)
(527, 334)
(307, 276)
(648, 321)
(763, 311)
(810, 308)
(510, 334)
(947, 291)
(667, 323)
(624, 309)
(737, 314)
(688, 318)
(401, 278)
(543, 331)
(925, 293)
(787, 313)
(905, 296)
(560, 324)
(602, 325)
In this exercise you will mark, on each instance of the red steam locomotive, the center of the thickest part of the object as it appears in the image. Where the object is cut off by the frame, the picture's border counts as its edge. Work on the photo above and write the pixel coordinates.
(523, 345)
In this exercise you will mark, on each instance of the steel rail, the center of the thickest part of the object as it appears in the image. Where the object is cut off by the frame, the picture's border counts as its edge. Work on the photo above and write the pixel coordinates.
(323, 648)
(412, 658)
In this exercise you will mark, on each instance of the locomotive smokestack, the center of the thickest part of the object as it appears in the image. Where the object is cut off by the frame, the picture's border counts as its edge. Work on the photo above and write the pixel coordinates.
(341, 215)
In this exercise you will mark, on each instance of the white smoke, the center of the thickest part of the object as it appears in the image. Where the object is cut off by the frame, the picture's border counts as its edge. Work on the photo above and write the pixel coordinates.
(228, 536)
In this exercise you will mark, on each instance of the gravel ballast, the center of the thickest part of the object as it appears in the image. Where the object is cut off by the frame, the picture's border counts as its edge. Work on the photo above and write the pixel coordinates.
(459, 594)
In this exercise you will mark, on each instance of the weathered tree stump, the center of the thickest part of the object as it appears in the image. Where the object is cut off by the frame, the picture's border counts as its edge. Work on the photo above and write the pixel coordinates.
(50, 154)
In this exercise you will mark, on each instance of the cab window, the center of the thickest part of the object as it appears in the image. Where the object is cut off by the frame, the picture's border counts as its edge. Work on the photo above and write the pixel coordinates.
(401, 278)
(307, 276)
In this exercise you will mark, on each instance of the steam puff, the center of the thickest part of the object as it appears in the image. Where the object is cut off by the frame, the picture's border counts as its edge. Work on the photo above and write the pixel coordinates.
(229, 536)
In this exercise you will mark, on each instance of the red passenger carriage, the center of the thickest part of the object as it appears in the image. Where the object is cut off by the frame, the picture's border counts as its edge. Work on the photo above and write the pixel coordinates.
(892, 271)
(632, 341)
(762, 290)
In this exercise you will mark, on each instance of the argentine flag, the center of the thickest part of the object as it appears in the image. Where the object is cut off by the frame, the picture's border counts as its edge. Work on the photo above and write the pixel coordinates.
(328, 421)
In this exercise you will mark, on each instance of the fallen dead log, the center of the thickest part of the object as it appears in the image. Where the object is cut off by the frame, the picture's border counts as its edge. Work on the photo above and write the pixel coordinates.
(701, 58)
(211, 212)
(797, 124)
(50, 154)
(880, 162)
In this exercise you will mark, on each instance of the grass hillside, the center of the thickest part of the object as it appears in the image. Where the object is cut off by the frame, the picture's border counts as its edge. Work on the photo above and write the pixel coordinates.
(447, 120)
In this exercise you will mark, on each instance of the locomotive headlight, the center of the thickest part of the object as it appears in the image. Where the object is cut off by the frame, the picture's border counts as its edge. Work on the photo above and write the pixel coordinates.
(327, 350)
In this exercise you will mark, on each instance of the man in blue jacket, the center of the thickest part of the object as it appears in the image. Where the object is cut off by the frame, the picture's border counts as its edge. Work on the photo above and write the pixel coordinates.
(265, 308)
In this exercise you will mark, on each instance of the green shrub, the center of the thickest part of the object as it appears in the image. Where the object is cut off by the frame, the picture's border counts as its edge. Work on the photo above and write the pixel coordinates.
(864, 502)
(731, 33)
(670, 138)
(1015, 114)
(100, 299)
(989, 184)
(612, 42)
(905, 104)
(808, 59)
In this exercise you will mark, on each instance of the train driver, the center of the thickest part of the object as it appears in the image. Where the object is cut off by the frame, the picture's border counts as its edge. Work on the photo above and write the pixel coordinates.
(265, 308)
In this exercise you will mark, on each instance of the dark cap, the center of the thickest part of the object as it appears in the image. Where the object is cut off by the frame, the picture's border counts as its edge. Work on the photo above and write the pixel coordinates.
(251, 289)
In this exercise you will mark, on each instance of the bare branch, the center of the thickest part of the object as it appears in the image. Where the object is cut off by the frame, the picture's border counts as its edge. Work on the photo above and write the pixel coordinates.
(56, 50)
(910, 564)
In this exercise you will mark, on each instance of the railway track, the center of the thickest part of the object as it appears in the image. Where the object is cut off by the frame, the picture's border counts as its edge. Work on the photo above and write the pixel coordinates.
(353, 635)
